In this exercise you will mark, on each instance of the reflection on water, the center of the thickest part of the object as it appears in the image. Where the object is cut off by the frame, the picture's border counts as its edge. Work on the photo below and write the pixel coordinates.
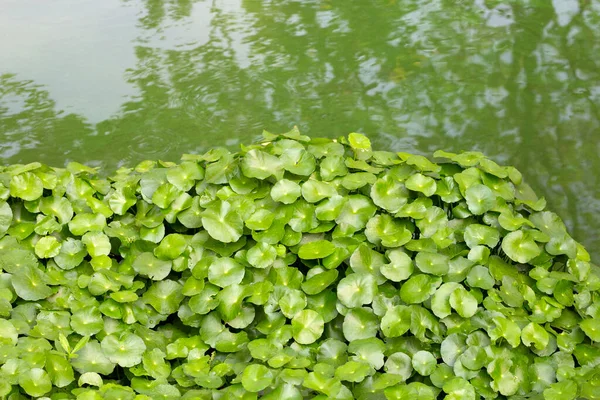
(126, 80)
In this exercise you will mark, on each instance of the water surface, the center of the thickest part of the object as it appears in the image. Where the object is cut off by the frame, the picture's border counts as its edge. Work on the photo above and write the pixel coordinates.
(113, 82)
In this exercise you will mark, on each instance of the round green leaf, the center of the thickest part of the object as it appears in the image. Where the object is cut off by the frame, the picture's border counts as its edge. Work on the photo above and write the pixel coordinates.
(222, 222)
(164, 296)
(146, 264)
(8, 333)
(259, 164)
(319, 282)
(396, 321)
(71, 254)
(355, 213)
(292, 302)
(171, 247)
(474, 358)
(30, 284)
(260, 220)
(298, 161)
(96, 243)
(520, 247)
(307, 326)
(154, 363)
(90, 378)
(86, 222)
(285, 191)
(421, 183)
(459, 389)
(463, 302)
(389, 194)
(261, 255)
(183, 176)
(6, 216)
(125, 350)
(387, 231)
(47, 247)
(360, 323)
(440, 302)
(399, 364)
(563, 390)
(303, 217)
(418, 288)
(549, 223)
(476, 234)
(59, 370)
(400, 266)
(26, 186)
(225, 271)
(314, 191)
(315, 250)
(58, 207)
(121, 199)
(91, 358)
(332, 166)
(432, 263)
(480, 277)
(357, 289)
(414, 390)
(506, 329)
(359, 141)
(480, 199)
(353, 371)
(358, 180)
(534, 334)
(35, 382)
(562, 245)
(256, 377)
(591, 327)
(87, 321)
(424, 362)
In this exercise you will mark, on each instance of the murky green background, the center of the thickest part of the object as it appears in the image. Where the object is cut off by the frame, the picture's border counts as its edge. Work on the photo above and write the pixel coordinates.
(113, 82)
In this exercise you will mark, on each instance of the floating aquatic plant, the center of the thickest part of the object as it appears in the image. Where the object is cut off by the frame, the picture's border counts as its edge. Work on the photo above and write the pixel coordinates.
(294, 268)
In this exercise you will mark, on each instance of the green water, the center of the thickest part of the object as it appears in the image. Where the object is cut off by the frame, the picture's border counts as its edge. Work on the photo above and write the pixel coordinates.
(113, 82)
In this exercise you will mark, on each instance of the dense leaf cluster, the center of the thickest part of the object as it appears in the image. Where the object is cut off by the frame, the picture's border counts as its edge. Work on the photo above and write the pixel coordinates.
(295, 268)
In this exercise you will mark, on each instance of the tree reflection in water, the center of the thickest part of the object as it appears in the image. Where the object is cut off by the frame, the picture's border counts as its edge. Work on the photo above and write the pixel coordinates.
(517, 81)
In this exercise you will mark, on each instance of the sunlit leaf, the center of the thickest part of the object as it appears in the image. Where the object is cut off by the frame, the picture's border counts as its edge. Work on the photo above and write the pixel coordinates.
(360, 323)
(424, 363)
(314, 191)
(307, 326)
(125, 350)
(26, 186)
(418, 288)
(476, 234)
(387, 231)
(35, 382)
(520, 247)
(30, 284)
(400, 266)
(357, 289)
(146, 264)
(260, 165)
(396, 321)
(222, 222)
(421, 183)
(389, 194)
(480, 199)
(47, 247)
(285, 191)
(315, 250)
(432, 263)
(225, 271)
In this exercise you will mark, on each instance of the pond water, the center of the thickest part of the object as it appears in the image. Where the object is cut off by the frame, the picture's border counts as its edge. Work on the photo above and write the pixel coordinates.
(113, 82)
